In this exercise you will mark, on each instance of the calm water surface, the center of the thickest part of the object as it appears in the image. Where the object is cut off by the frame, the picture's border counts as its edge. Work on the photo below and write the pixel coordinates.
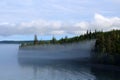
(12, 67)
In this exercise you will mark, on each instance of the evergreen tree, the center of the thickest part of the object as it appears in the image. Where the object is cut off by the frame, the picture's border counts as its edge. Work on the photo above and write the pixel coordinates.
(109, 45)
(53, 40)
(35, 40)
(66, 39)
(95, 33)
(101, 43)
(90, 35)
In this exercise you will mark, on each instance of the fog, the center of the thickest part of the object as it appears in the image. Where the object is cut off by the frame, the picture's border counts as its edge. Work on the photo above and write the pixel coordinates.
(74, 51)
(13, 67)
(58, 62)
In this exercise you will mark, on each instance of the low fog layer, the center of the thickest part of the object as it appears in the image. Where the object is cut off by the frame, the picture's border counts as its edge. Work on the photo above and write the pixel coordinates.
(67, 51)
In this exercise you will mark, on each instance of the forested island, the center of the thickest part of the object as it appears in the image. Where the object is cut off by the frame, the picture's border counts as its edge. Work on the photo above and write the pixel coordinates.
(105, 51)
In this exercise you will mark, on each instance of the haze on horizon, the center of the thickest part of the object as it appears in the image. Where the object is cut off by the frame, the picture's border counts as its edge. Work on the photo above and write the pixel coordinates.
(21, 19)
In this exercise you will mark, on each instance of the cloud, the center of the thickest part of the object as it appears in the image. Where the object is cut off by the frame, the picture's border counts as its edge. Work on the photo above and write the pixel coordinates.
(28, 10)
(46, 27)
(106, 23)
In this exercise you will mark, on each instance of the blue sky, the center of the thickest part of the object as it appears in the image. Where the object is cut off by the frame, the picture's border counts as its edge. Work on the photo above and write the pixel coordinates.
(21, 19)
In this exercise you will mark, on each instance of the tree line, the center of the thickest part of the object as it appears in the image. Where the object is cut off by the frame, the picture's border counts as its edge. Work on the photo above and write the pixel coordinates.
(106, 42)
(87, 36)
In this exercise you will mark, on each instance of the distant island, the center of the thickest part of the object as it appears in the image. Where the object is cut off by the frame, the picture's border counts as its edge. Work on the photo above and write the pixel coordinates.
(14, 42)
(105, 51)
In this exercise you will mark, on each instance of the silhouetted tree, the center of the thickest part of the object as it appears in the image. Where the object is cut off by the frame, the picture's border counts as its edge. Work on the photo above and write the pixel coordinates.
(66, 39)
(35, 40)
(53, 40)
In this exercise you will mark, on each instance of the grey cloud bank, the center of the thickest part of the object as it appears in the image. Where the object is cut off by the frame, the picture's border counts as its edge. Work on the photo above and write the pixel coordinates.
(47, 27)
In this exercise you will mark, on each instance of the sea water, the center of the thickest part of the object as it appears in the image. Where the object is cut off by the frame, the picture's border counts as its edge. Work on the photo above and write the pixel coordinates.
(11, 68)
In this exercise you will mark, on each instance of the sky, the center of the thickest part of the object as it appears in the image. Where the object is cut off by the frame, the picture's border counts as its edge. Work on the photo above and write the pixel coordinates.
(22, 19)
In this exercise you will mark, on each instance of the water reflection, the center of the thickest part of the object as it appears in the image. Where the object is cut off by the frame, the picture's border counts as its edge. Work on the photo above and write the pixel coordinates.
(67, 70)
(16, 66)
(56, 70)
(106, 73)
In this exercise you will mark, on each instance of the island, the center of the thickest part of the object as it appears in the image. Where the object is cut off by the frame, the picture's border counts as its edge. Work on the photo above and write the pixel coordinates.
(100, 47)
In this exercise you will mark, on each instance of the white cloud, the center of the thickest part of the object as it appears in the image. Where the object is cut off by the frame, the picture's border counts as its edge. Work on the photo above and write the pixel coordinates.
(105, 23)
(44, 27)
(60, 32)
(28, 10)
(82, 25)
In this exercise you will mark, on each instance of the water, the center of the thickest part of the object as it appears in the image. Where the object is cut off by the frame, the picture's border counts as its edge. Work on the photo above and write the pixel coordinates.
(12, 67)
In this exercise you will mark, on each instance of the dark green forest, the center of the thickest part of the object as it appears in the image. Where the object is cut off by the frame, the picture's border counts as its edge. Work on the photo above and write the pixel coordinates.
(107, 47)
(108, 42)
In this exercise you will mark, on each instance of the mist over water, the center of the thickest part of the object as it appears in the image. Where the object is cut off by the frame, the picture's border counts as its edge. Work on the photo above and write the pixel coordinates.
(14, 66)
(80, 50)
